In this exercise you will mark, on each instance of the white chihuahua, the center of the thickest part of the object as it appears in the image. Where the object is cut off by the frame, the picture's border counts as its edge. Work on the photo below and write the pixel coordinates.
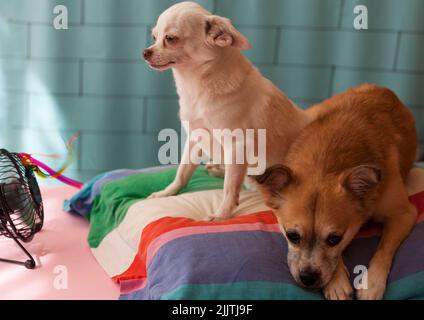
(220, 89)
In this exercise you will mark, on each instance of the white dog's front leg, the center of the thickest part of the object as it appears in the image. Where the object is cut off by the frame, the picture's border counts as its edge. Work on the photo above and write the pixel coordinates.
(234, 177)
(184, 173)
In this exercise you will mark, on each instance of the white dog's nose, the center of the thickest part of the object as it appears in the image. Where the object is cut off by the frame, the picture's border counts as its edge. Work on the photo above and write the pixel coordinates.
(147, 54)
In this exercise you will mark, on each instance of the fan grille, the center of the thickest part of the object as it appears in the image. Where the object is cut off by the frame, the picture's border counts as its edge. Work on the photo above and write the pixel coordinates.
(21, 207)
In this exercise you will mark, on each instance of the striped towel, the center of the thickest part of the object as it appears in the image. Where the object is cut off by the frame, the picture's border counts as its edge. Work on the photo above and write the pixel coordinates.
(161, 248)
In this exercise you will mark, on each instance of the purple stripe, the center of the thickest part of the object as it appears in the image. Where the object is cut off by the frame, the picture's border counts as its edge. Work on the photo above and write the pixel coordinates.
(254, 256)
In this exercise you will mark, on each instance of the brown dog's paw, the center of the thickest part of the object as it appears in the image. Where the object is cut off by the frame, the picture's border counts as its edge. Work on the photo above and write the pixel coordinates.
(375, 292)
(339, 287)
(376, 285)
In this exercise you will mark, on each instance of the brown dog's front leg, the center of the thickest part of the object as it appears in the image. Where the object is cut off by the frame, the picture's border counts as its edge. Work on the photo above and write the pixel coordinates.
(396, 227)
(339, 287)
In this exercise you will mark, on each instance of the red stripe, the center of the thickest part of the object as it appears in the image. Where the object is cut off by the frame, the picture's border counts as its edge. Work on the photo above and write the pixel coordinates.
(418, 201)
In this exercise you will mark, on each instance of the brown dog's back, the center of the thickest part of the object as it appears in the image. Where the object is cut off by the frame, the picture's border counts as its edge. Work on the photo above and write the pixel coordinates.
(357, 127)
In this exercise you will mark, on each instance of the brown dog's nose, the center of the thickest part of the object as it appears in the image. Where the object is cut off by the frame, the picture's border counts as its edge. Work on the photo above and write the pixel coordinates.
(309, 278)
(147, 53)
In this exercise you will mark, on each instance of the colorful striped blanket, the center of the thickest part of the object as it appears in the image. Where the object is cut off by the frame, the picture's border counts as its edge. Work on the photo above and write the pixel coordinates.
(161, 248)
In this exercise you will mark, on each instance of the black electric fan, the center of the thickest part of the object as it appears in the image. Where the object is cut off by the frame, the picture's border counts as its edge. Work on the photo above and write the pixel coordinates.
(21, 206)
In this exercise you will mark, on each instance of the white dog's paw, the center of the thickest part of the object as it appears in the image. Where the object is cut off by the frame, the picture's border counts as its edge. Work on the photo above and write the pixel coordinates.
(159, 194)
(209, 218)
(339, 287)
(225, 211)
(171, 190)
(377, 278)
(216, 217)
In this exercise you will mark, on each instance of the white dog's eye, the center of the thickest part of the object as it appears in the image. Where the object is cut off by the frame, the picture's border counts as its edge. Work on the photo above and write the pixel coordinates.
(154, 37)
(171, 39)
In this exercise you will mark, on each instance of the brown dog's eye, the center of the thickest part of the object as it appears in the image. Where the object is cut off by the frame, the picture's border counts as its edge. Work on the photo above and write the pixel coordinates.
(171, 39)
(333, 240)
(293, 236)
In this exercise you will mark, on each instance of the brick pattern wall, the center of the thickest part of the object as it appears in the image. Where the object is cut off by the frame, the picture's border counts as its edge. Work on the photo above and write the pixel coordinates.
(91, 79)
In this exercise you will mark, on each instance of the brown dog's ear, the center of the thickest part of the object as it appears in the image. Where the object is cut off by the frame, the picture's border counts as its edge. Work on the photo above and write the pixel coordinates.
(361, 180)
(221, 32)
(272, 182)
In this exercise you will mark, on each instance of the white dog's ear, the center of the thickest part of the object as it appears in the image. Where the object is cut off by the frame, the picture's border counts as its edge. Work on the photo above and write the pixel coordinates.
(221, 32)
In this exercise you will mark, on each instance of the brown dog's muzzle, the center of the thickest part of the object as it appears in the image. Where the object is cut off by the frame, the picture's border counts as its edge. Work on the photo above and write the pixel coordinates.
(309, 278)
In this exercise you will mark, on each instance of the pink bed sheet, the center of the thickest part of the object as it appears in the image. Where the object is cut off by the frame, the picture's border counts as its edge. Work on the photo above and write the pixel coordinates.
(60, 249)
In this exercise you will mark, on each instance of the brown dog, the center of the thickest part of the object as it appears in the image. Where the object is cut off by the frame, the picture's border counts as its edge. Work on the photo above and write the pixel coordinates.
(345, 168)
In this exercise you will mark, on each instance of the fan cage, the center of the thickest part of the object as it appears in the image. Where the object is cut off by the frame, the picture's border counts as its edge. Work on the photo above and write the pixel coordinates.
(21, 207)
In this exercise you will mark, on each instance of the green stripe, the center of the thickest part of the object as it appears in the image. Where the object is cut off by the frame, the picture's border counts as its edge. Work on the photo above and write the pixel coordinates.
(252, 290)
(111, 206)
(408, 288)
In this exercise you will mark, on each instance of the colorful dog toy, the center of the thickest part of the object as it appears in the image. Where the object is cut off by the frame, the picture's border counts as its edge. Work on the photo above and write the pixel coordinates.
(37, 166)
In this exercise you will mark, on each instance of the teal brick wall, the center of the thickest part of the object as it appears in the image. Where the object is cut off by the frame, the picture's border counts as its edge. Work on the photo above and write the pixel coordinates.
(91, 78)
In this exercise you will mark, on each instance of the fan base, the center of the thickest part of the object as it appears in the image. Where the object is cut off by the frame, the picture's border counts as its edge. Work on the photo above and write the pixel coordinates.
(29, 264)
